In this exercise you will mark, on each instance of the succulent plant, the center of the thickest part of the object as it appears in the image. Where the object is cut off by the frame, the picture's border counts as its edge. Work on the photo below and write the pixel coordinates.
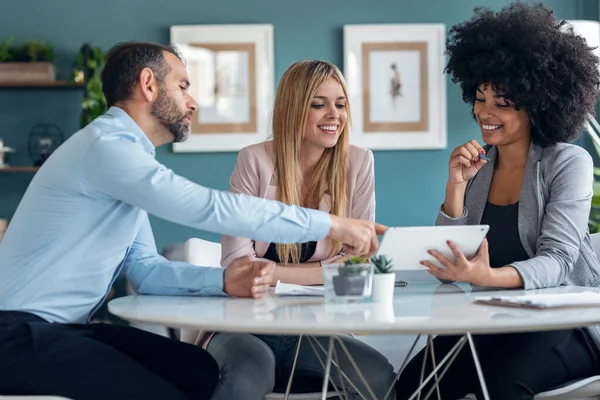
(382, 264)
(356, 260)
(353, 266)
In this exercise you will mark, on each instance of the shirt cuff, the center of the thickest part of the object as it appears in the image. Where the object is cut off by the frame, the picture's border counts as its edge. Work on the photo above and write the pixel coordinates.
(213, 281)
(320, 224)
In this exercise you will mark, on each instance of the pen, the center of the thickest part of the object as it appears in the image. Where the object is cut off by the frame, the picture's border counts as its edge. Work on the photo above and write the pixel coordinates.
(483, 157)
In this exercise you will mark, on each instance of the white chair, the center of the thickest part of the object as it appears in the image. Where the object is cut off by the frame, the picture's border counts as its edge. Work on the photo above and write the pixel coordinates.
(208, 254)
(202, 252)
(577, 389)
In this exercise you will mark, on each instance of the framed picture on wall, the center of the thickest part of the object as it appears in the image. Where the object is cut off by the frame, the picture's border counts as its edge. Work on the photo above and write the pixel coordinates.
(396, 85)
(231, 77)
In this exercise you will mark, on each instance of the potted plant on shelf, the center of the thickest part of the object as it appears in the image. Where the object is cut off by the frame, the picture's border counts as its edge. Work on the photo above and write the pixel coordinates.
(384, 279)
(87, 71)
(350, 280)
(31, 61)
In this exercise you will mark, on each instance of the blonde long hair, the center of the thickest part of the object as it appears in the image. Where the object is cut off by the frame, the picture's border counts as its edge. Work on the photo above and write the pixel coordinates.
(295, 92)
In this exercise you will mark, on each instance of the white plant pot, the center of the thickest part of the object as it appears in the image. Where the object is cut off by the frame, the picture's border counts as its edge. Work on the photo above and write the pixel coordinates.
(383, 287)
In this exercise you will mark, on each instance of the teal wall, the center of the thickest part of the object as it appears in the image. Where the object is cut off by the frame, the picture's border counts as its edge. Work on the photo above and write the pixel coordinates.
(409, 184)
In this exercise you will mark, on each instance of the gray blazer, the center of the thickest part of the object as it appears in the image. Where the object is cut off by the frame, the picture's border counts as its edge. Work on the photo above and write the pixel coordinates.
(554, 208)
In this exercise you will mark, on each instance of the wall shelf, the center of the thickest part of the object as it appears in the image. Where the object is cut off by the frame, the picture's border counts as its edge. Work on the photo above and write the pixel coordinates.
(19, 169)
(41, 85)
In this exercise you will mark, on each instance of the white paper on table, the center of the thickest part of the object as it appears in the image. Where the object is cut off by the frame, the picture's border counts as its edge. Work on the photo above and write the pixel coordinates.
(555, 300)
(290, 289)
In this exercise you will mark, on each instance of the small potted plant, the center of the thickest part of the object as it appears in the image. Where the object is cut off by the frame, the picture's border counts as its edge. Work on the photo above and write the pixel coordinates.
(384, 279)
(31, 61)
(348, 282)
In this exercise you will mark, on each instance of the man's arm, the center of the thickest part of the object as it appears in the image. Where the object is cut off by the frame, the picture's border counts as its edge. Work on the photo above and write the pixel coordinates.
(117, 167)
(150, 273)
(245, 179)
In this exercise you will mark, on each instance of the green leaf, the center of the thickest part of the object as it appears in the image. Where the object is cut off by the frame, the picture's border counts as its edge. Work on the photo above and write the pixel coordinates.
(94, 104)
(382, 264)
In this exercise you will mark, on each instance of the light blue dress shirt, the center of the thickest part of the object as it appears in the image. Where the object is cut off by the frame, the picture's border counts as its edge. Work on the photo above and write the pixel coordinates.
(84, 218)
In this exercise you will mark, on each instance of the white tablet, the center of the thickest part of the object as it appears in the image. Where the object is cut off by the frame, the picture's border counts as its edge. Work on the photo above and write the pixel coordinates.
(408, 246)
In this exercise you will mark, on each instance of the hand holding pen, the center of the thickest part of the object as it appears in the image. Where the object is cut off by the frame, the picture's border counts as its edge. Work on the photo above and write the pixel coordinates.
(465, 162)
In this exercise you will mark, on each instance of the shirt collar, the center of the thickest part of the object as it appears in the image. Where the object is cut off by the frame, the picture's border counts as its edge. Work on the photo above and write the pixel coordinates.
(132, 127)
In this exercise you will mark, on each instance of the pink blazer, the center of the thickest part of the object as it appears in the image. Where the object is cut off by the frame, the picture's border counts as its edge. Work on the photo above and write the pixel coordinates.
(254, 174)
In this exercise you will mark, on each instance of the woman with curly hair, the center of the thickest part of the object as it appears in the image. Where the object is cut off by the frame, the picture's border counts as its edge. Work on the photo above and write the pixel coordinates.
(531, 82)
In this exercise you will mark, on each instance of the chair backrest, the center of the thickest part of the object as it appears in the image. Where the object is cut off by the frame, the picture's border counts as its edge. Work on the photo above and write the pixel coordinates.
(596, 243)
(202, 253)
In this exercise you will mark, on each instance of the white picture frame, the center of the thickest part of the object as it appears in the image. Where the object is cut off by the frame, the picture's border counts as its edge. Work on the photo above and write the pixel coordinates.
(397, 86)
(231, 71)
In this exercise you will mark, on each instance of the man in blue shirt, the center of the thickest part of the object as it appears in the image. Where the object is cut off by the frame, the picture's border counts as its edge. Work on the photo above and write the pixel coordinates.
(84, 219)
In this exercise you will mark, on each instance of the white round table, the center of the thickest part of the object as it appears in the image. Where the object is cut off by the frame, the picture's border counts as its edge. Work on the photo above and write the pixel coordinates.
(417, 309)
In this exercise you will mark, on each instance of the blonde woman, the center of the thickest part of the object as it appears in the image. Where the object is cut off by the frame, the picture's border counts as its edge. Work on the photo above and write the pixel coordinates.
(309, 162)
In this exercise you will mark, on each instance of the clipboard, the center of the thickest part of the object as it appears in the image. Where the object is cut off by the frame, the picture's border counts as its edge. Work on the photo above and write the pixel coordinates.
(544, 301)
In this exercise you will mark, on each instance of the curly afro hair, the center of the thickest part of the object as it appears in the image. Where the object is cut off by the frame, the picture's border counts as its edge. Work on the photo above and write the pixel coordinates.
(536, 61)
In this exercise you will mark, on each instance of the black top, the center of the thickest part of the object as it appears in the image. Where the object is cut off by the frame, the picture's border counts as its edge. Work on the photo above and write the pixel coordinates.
(308, 250)
(503, 237)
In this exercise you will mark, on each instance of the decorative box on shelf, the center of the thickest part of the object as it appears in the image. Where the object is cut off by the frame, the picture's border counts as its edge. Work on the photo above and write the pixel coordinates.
(25, 63)
(25, 72)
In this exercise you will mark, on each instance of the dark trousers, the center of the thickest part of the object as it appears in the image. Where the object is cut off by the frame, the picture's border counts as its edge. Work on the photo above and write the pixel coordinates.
(99, 362)
(515, 366)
